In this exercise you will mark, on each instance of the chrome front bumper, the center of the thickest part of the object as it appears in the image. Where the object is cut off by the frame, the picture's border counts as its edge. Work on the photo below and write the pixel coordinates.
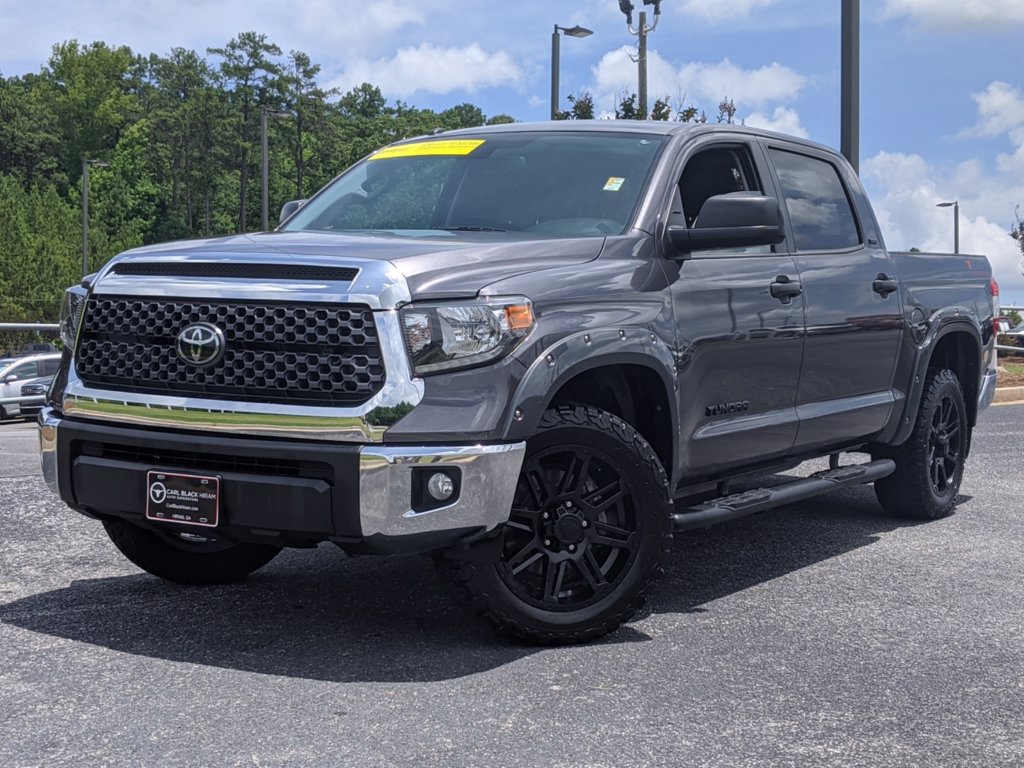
(387, 520)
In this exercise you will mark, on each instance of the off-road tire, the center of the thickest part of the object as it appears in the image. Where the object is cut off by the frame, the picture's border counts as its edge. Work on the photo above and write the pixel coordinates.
(185, 562)
(603, 578)
(930, 464)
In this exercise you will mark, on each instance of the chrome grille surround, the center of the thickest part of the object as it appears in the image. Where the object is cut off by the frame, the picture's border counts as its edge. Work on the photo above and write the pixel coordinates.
(311, 353)
(379, 289)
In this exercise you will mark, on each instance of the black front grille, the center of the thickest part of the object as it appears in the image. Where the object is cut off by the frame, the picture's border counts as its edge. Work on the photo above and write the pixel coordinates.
(235, 270)
(315, 354)
(164, 458)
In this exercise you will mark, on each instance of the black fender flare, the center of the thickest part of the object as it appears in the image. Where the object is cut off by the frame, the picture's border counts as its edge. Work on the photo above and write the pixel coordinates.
(581, 352)
(943, 323)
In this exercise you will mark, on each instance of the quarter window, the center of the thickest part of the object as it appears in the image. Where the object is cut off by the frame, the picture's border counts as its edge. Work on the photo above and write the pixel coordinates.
(819, 208)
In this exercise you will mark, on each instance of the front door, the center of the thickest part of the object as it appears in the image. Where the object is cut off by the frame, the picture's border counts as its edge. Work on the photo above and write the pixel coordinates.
(739, 348)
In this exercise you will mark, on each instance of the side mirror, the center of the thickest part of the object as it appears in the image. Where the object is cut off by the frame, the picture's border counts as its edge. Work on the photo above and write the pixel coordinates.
(731, 221)
(288, 209)
(11, 377)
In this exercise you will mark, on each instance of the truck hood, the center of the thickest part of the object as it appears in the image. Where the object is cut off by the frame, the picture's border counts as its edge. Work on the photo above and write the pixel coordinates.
(435, 264)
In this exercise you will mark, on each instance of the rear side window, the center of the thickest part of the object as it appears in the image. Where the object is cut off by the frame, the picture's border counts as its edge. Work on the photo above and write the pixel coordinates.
(819, 208)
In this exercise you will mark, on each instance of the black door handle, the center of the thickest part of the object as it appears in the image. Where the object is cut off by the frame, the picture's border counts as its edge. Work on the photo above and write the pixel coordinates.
(785, 289)
(884, 285)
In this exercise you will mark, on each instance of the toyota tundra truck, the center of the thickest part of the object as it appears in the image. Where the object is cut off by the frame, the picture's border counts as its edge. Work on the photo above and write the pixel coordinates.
(531, 351)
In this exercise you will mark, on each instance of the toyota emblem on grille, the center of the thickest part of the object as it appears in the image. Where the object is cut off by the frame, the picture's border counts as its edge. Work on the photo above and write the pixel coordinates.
(200, 344)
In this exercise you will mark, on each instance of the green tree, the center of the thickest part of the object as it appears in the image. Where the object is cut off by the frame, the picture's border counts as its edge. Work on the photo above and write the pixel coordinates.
(581, 107)
(627, 108)
(253, 81)
(92, 99)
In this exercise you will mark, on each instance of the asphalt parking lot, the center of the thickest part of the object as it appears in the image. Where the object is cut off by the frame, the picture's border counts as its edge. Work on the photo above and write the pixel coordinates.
(821, 634)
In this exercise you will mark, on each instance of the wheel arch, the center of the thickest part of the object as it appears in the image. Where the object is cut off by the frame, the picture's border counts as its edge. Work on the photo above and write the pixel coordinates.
(955, 344)
(627, 372)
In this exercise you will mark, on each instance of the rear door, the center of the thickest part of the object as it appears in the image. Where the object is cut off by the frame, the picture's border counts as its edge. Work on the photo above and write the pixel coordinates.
(739, 347)
(852, 305)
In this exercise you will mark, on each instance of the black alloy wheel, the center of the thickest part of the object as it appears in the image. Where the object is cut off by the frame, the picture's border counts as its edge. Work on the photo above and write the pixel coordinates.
(573, 531)
(930, 463)
(944, 450)
(589, 527)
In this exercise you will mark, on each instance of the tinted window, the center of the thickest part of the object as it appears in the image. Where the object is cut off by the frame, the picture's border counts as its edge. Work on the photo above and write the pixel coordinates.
(50, 367)
(562, 184)
(819, 209)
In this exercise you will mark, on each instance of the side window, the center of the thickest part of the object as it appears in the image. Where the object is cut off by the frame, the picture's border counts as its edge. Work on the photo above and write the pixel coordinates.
(716, 171)
(50, 367)
(819, 208)
(26, 371)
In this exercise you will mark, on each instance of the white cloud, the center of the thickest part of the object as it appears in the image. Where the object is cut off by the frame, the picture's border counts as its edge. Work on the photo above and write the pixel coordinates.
(722, 10)
(782, 120)
(697, 82)
(1000, 110)
(430, 69)
(905, 190)
(323, 28)
(957, 14)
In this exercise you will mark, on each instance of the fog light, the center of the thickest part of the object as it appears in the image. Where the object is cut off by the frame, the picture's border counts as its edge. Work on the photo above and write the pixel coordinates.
(440, 486)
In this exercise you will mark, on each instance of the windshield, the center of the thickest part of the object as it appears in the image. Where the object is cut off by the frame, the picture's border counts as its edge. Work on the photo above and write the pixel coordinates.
(559, 183)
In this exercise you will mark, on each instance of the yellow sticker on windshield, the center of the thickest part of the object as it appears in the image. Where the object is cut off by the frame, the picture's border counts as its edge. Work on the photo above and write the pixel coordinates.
(614, 184)
(454, 147)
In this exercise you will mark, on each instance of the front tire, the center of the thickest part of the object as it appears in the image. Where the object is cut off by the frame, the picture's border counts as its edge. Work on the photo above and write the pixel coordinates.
(589, 527)
(930, 464)
(187, 558)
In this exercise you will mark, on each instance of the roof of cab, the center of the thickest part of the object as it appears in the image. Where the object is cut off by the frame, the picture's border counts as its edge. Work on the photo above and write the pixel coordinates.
(656, 127)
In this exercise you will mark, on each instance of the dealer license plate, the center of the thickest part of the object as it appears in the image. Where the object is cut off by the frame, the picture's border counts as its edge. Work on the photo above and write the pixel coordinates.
(183, 499)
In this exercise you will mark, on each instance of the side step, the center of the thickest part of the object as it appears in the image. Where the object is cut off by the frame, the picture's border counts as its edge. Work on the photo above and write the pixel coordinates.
(758, 500)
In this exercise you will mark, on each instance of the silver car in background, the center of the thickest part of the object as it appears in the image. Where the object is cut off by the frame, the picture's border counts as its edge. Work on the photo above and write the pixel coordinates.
(15, 373)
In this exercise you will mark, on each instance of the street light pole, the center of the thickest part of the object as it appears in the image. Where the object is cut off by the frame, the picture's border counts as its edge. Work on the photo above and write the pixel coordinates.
(849, 132)
(265, 165)
(956, 222)
(85, 209)
(641, 32)
(556, 54)
(265, 160)
(641, 62)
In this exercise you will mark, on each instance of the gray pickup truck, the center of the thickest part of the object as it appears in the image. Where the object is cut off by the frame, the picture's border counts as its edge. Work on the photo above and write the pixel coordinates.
(533, 351)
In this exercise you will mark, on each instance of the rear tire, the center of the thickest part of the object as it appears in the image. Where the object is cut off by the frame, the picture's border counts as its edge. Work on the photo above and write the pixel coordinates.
(589, 527)
(930, 464)
(187, 561)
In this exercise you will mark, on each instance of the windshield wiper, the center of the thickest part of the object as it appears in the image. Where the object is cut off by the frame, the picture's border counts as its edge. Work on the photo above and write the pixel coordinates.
(471, 229)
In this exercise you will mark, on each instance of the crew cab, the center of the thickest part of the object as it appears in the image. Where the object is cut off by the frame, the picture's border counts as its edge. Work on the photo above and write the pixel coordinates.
(533, 351)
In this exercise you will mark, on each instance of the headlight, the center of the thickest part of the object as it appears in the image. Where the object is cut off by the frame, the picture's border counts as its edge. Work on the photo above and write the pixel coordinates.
(460, 335)
(71, 310)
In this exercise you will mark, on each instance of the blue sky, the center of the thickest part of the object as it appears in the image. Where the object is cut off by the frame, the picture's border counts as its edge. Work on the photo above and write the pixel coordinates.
(942, 100)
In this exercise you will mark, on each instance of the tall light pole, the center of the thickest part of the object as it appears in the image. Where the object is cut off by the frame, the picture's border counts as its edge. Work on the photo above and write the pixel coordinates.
(849, 141)
(85, 209)
(956, 222)
(576, 31)
(641, 31)
(264, 113)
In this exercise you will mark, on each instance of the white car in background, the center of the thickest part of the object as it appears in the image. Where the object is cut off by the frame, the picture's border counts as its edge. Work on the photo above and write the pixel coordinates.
(16, 372)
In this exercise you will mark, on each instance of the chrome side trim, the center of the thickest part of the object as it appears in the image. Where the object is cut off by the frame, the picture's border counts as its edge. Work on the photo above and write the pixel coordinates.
(378, 285)
(489, 476)
(48, 425)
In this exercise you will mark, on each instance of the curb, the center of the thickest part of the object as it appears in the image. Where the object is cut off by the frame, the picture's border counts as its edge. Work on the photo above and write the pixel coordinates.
(1009, 395)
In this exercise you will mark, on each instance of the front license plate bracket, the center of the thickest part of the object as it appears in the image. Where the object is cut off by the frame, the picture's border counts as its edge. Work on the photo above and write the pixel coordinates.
(192, 500)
